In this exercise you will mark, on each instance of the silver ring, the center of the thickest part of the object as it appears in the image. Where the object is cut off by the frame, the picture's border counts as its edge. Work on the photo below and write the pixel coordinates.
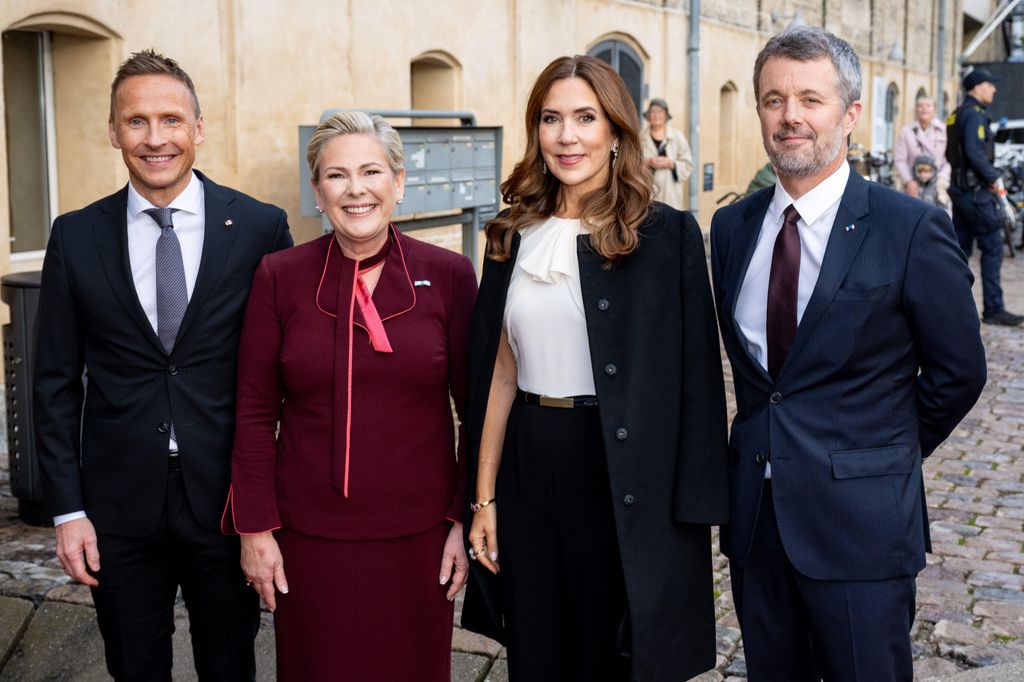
(472, 554)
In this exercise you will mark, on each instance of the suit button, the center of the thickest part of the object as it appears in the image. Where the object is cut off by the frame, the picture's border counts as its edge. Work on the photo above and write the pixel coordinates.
(172, 370)
(628, 500)
(163, 427)
(759, 458)
(610, 369)
(603, 304)
(775, 398)
(621, 433)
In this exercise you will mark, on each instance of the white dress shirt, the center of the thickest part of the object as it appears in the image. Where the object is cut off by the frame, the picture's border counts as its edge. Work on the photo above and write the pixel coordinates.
(143, 231)
(817, 209)
(544, 318)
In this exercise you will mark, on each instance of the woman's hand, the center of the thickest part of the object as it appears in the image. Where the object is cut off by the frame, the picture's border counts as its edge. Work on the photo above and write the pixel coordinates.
(454, 556)
(263, 566)
(483, 537)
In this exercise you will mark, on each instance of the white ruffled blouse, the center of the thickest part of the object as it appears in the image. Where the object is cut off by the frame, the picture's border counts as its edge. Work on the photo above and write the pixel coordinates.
(544, 316)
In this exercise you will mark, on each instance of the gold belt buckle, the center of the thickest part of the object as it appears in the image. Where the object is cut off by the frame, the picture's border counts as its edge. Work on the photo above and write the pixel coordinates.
(548, 401)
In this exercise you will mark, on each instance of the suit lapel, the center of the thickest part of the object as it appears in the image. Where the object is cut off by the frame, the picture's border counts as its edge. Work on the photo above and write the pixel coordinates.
(110, 234)
(744, 242)
(840, 251)
(220, 232)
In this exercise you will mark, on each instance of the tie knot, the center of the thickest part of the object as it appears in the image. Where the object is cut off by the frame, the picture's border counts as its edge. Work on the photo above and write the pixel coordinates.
(162, 216)
(790, 215)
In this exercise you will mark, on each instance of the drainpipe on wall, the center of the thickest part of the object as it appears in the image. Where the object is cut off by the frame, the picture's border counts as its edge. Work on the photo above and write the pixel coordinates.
(940, 54)
(693, 106)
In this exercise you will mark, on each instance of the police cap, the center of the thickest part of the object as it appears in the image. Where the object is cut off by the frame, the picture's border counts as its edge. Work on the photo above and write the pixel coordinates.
(977, 77)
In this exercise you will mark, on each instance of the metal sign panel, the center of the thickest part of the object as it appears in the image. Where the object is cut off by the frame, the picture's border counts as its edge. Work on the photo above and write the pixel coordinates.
(445, 169)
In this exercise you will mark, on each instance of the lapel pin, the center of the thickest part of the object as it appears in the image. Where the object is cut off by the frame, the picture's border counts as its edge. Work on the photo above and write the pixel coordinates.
(421, 283)
(850, 228)
(228, 222)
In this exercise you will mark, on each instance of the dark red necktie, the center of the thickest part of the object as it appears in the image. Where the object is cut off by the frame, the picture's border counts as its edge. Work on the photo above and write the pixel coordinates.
(783, 284)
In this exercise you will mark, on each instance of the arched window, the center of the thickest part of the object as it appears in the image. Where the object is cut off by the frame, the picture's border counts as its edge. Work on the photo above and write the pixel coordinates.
(892, 109)
(728, 102)
(435, 83)
(921, 92)
(627, 63)
(48, 62)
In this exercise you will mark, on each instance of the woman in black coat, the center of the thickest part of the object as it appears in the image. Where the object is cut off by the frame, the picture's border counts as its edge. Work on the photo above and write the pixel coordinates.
(596, 415)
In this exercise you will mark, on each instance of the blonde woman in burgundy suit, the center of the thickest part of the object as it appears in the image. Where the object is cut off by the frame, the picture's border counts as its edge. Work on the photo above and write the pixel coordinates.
(350, 514)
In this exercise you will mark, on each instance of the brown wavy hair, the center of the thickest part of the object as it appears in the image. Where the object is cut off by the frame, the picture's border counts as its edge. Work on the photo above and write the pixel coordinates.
(614, 213)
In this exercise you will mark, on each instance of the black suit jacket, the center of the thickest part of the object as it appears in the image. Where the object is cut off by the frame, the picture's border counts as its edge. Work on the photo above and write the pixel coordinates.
(103, 443)
(886, 361)
(658, 375)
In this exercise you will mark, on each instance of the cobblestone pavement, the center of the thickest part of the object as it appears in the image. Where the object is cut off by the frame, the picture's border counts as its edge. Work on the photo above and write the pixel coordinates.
(970, 596)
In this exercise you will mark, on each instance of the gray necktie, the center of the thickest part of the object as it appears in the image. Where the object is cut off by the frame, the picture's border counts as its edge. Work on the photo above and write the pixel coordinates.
(171, 290)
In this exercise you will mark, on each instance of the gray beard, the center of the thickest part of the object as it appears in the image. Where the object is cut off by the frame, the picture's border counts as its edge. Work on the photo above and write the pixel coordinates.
(797, 165)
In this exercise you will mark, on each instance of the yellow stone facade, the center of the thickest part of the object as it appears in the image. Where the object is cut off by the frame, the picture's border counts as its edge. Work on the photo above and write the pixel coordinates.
(263, 67)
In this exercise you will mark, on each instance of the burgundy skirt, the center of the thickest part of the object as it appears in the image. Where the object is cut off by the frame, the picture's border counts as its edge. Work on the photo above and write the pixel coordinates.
(363, 610)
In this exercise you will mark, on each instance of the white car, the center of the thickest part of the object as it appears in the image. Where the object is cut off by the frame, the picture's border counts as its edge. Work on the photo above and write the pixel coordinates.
(1009, 140)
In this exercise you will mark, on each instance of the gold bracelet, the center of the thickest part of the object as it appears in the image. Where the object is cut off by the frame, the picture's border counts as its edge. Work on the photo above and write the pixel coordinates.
(477, 506)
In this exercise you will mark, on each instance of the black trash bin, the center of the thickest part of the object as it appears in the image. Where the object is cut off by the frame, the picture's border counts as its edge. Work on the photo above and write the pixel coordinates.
(20, 291)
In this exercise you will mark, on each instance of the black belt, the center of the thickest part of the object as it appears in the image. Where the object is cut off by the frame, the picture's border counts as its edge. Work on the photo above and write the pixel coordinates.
(548, 401)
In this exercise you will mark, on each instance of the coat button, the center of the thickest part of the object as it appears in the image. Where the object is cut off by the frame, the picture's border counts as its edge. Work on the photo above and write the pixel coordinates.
(603, 304)
(775, 398)
(621, 433)
(759, 458)
(172, 369)
(610, 369)
(163, 427)
(628, 500)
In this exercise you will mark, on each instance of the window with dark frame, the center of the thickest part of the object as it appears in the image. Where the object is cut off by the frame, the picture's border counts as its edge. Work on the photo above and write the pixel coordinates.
(28, 138)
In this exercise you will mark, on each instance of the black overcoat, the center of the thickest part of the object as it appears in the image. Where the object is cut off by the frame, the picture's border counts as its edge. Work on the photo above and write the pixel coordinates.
(658, 375)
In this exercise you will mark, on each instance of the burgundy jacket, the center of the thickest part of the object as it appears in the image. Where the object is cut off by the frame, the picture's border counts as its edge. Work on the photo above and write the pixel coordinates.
(366, 446)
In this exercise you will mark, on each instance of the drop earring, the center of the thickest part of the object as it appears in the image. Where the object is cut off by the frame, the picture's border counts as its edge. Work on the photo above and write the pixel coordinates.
(615, 153)
(543, 168)
(319, 209)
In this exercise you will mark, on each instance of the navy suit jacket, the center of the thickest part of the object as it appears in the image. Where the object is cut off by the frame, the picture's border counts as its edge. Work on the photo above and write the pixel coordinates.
(103, 444)
(886, 361)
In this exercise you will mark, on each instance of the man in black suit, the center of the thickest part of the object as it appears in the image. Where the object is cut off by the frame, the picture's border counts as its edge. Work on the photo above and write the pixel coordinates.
(145, 291)
(847, 315)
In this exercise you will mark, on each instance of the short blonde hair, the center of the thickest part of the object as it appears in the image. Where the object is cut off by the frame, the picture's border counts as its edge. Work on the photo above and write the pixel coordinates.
(355, 122)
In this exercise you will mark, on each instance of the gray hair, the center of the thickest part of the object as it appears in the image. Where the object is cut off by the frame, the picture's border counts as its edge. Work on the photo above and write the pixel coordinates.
(808, 43)
(350, 123)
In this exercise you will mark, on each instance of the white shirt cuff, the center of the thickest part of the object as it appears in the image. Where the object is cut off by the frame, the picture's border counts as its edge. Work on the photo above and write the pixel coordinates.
(64, 518)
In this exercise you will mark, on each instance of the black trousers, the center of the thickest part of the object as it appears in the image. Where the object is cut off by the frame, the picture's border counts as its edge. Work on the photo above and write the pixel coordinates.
(563, 592)
(138, 583)
(797, 629)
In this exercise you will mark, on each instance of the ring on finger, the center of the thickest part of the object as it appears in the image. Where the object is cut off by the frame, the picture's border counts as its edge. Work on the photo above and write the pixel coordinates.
(472, 554)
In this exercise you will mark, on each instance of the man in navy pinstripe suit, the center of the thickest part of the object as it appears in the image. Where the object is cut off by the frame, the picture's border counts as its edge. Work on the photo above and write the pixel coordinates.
(847, 315)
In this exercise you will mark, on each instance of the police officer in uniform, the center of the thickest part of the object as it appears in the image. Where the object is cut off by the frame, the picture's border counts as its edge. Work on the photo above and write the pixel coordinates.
(976, 212)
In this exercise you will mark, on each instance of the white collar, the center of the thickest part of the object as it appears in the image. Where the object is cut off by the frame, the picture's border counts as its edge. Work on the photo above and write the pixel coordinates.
(816, 202)
(190, 200)
(553, 255)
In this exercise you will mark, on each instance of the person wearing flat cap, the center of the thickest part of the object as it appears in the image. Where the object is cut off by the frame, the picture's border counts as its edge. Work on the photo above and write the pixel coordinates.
(667, 153)
(977, 215)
